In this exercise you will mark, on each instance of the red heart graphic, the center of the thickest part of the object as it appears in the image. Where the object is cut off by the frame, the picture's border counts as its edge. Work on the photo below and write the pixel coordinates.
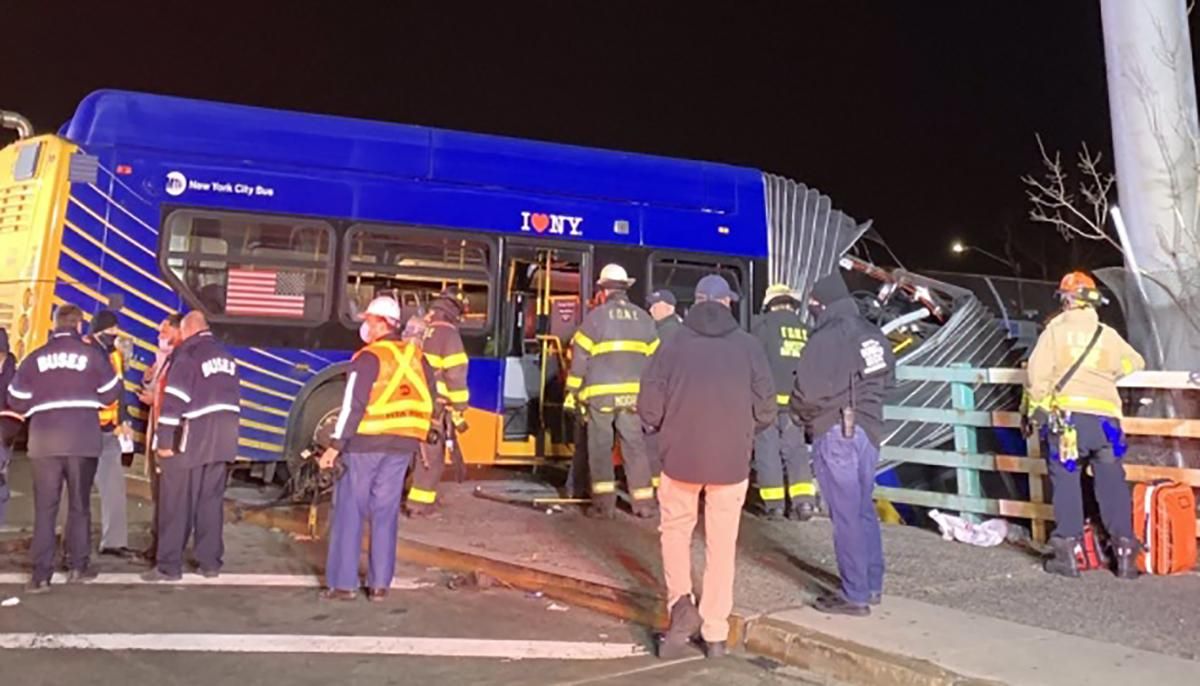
(540, 222)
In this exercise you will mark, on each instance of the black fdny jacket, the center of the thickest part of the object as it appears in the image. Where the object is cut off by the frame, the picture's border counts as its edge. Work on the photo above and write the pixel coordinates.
(360, 377)
(610, 350)
(60, 389)
(783, 335)
(843, 346)
(200, 405)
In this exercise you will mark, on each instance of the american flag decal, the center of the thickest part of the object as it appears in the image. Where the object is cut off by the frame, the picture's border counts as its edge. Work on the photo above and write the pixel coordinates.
(265, 293)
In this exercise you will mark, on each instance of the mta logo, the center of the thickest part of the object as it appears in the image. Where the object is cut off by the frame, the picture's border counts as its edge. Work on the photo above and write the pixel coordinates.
(176, 183)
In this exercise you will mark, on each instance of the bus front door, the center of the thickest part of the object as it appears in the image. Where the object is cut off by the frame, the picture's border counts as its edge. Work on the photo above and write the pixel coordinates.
(545, 291)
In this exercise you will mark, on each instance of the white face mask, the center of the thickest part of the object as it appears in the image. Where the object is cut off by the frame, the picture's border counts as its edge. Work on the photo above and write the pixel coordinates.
(364, 332)
(164, 344)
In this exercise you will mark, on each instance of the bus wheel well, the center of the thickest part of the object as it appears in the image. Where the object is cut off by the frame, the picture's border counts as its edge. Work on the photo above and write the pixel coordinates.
(315, 418)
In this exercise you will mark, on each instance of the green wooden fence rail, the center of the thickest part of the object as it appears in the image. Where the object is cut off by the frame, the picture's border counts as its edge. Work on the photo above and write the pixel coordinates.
(968, 462)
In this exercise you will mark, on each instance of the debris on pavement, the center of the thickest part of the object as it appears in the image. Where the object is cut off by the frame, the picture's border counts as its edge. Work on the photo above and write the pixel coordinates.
(985, 535)
(10, 602)
(476, 580)
(555, 607)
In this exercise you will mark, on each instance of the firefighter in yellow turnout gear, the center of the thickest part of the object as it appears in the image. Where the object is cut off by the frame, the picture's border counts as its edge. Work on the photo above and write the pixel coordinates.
(1073, 400)
(444, 352)
(782, 469)
(610, 350)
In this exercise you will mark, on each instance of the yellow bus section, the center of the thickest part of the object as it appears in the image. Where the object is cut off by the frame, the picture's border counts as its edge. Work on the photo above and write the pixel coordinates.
(34, 184)
(483, 443)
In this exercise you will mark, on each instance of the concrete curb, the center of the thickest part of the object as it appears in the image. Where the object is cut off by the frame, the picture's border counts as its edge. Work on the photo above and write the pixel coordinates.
(845, 661)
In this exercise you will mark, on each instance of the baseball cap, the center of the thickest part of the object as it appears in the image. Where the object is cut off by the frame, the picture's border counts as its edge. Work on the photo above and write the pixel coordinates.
(662, 295)
(714, 287)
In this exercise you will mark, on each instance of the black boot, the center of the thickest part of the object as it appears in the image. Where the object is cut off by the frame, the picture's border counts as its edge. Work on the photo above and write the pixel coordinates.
(1126, 550)
(676, 642)
(603, 507)
(773, 513)
(1064, 562)
(802, 512)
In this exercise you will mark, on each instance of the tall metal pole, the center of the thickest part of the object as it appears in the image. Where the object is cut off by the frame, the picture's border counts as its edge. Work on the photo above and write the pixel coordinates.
(1152, 99)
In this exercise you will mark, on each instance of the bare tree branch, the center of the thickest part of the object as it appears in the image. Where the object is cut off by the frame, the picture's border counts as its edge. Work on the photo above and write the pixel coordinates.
(1052, 203)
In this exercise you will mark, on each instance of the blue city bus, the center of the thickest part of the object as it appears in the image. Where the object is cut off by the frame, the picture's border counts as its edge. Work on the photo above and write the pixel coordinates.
(153, 205)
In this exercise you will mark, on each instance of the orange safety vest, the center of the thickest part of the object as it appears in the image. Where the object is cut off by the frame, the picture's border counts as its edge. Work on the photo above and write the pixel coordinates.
(111, 415)
(400, 404)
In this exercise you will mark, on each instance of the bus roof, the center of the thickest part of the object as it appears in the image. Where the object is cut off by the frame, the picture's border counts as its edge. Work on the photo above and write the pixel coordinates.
(256, 136)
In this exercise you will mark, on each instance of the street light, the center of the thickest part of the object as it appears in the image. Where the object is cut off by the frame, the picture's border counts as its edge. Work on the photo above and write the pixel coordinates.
(960, 248)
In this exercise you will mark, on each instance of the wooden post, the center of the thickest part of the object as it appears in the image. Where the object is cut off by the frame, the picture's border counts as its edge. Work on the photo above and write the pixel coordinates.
(1037, 489)
(966, 442)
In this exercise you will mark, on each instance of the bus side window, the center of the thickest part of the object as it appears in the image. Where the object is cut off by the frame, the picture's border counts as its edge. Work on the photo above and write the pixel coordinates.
(413, 265)
(236, 265)
(680, 274)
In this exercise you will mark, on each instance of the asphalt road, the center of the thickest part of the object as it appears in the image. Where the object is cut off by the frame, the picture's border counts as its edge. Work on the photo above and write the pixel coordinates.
(425, 633)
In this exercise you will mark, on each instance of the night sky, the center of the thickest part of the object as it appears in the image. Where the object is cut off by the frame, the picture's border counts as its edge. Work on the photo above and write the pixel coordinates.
(919, 115)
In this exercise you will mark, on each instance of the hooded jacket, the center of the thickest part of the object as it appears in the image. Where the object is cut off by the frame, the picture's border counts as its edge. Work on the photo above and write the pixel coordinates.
(844, 350)
(707, 394)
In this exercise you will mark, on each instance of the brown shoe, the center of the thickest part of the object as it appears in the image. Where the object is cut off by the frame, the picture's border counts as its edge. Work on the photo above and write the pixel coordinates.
(377, 595)
(338, 594)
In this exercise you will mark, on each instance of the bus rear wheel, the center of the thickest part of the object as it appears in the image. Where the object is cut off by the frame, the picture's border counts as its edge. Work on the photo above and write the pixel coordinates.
(317, 421)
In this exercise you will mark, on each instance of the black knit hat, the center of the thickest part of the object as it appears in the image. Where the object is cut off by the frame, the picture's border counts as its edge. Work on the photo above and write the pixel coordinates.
(830, 289)
(103, 321)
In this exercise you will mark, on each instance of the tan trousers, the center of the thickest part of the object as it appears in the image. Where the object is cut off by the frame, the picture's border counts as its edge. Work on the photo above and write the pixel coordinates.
(679, 503)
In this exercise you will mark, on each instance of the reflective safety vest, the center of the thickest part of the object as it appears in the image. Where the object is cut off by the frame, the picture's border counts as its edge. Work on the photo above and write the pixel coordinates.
(400, 403)
(110, 416)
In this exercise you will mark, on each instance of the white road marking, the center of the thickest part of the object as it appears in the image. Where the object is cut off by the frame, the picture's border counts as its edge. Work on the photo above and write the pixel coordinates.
(326, 645)
(273, 580)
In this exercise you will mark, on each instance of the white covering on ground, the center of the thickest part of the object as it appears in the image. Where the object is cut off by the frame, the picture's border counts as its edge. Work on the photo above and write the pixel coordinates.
(986, 534)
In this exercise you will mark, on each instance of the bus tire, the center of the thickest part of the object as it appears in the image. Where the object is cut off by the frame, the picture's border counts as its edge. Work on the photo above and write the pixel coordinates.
(316, 419)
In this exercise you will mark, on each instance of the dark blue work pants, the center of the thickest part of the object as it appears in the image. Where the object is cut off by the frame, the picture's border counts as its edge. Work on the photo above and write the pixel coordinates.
(49, 474)
(845, 470)
(190, 504)
(370, 490)
(1111, 489)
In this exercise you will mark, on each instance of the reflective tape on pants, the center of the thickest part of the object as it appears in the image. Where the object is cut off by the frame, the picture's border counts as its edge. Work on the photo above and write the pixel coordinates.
(420, 495)
(601, 487)
(771, 493)
(802, 488)
(643, 493)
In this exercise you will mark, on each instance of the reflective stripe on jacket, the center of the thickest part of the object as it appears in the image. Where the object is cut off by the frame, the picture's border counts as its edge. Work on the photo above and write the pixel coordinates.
(1093, 387)
(609, 352)
(445, 353)
(400, 402)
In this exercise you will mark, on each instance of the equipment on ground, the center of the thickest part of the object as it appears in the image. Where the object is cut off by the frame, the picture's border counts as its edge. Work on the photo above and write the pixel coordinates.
(1164, 520)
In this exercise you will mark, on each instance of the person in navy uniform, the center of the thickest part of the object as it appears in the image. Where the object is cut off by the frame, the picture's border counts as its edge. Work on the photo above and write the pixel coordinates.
(60, 389)
(386, 416)
(197, 438)
(841, 383)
